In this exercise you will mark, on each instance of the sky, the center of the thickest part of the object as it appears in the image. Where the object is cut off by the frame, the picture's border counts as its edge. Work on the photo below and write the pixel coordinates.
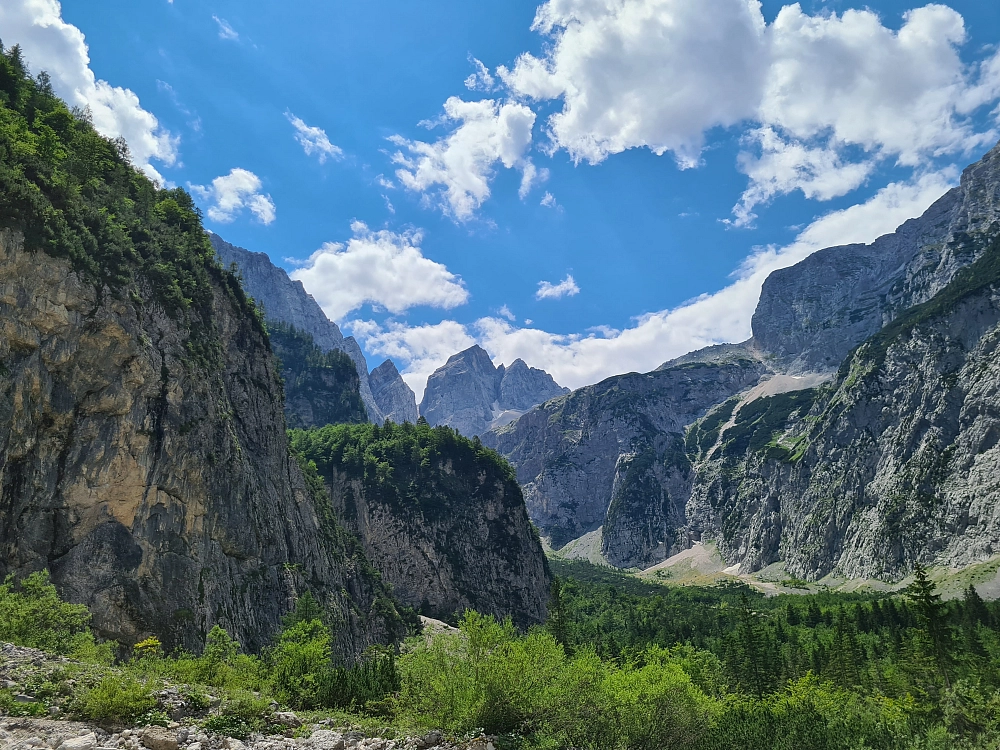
(594, 186)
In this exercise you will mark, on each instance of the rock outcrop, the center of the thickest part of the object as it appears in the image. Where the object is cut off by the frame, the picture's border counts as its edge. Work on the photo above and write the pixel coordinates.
(392, 395)
(447, 527)
(612, 454)
(472, 396)
(144, 462)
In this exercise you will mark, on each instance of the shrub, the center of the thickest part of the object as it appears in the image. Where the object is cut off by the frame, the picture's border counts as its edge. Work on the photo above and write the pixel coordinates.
(118, 699)
(33, 615)
(299, 661)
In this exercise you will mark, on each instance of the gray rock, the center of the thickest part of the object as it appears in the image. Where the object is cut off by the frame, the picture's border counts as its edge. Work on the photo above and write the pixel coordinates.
(392, 395)
(84, 742)
(124, 451)
(472, 396)
(288, 301)
(159, 738)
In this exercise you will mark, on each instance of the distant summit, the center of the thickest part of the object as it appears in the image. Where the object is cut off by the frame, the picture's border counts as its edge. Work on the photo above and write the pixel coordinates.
(471, 395)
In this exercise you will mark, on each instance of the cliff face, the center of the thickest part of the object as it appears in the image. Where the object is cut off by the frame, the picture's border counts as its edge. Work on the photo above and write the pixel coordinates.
(446, 526)
(895, 462)
(392, 394)
(608, 455)
(151, 473)
(287, 301)
(472, 396)
(812, 314)
(320, 387)
(890, 463)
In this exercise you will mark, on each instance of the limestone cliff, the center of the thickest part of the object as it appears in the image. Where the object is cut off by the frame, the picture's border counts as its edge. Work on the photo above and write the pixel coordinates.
(320, 387)
(612, 454)
(392, 394)
(143, 460)
(471, 395)
(440, 516)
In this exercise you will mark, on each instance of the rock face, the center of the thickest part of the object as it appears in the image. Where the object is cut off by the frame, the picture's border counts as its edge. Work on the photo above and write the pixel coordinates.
(155, 484)
(896, 461)
(287, 301)
(394, 398)
(891, 462)
(448, 528)
(320, 387)
(612, 454)
(472, 396)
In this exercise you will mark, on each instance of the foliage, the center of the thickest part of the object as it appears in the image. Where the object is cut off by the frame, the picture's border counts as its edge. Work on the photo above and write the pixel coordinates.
(327, 380)
(33, 615)
(401, 463)
(75, 194)
(118, 699)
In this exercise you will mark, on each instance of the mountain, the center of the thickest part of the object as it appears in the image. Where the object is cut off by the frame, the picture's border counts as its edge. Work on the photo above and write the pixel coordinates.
(472, 396)
(144, 456)
(855, 434)
(452, 500)
(287, 301)
(393, 396)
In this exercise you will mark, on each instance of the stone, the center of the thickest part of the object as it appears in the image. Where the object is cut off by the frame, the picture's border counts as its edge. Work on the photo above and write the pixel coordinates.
(160, 738)
(287, 718)
(392, 394)
(84, 742)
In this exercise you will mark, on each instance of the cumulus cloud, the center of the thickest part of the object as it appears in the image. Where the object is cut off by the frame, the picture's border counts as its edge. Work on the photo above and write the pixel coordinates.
(507, 313)
(565, 288)
(578, 359)
(313, 140)
(383, 268)
(225, 30)
(454, 172)
(825, 97)
(653, 73)
(51, 44)
(228, 195)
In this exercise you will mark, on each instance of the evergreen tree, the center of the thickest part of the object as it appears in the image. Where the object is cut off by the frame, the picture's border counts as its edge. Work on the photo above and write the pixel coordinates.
(932, 615)
(556, 624)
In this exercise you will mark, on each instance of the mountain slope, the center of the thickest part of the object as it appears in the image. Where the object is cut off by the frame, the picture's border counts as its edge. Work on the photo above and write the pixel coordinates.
(394, 397)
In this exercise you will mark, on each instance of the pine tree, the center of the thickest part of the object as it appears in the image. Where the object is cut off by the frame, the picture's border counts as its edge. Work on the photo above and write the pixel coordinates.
(556, 623)
(932, 615)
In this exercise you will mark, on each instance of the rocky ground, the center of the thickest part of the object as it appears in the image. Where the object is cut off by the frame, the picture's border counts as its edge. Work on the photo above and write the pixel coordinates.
(24, 670)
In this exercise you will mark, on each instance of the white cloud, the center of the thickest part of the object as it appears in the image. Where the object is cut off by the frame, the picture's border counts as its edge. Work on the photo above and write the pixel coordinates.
(576, 359)
(480, 80)
(225, 30)
(826, 98)
(530, 177)
(506, 313)
(231, 193)
(548, 200)
(382, 268)
(51, 44)
(313, 140)
(455, 171)
(565, 288)
(653, 73)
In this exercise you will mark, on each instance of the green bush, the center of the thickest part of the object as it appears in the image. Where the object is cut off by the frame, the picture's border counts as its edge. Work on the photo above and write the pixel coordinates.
(117, 699)
(298, 662)
(240, 715)
(33, 615)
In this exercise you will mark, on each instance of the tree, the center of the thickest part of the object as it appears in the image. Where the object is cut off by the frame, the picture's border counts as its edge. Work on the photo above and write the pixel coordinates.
(556, 623)
(932, 615)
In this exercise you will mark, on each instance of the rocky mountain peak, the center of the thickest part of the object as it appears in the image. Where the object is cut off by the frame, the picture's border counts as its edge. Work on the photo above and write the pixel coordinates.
(471, 395)
(392, 394)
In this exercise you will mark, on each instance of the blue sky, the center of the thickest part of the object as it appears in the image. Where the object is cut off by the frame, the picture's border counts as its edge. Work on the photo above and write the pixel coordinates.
(828, 122)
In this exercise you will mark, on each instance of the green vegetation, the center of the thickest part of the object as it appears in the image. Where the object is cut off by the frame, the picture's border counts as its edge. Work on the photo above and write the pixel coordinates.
(320, 387)
(761, 421)
(622, 663)
(74, 194)
(402, 464)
